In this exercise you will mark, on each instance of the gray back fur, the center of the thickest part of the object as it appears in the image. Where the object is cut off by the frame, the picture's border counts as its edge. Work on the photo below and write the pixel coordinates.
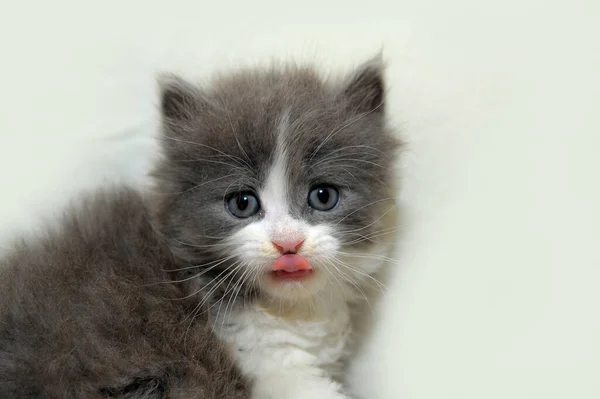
(87, 311)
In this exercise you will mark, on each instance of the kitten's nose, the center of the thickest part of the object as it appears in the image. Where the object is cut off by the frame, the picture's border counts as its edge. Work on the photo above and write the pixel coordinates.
(288, 247)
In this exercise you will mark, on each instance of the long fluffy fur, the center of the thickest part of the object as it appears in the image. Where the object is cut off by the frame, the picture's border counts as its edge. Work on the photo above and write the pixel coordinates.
(88, 311)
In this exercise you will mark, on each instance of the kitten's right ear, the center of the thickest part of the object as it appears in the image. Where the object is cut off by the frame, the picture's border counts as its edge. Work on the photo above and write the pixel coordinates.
(179, 100)
(365, 90)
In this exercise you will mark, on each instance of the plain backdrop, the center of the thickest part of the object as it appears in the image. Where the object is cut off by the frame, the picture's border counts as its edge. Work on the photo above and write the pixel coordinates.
(498, 287)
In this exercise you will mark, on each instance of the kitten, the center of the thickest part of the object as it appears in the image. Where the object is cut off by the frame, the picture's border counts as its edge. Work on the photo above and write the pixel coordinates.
(285, 202)
(272, 210)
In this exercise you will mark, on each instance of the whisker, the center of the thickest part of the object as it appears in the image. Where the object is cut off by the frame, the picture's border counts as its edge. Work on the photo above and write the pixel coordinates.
(369, 256)
(343, 166)
(232, 157)
(375, 233)
(233, 166)
(349, 147)
(362, 207)
(335, 278)
(185, 279)
(347, 278)
(334, 160)
(224, 296)
(378, 283)
(337, 130)
(210, 282)
(231, 280)
(370, 237)
(372, 223)
(238, 141)
(345, 233)
(217, 245)
(197, 186)
(198, 265)
(243, 279)
(198, 307)
(195, 312)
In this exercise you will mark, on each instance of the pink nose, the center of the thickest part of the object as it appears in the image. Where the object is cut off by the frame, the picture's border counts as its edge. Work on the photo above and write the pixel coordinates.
(288, 247)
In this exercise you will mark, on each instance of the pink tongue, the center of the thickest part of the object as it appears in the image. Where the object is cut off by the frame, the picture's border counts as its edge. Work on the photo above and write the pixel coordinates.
(291, 263)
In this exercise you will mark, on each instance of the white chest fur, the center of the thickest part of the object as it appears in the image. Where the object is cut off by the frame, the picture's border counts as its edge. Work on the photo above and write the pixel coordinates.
(289, 352)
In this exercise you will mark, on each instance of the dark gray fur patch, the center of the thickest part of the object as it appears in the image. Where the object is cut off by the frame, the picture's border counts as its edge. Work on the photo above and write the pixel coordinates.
(221, 139)
(89, 312)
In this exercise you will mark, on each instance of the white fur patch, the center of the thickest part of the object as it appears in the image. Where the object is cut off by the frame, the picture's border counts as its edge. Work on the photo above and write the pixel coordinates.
(274, 195)
(290, 352)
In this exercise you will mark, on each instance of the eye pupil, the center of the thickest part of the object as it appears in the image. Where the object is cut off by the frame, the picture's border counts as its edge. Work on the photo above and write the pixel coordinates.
(323, 198)
(323, 195)
(243, 205)
(242, 202)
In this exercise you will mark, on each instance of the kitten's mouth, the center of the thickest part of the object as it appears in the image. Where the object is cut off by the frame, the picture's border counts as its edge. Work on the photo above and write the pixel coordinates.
(292, 267)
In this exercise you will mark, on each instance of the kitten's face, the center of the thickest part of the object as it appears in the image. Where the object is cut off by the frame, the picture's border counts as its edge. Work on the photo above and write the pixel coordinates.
(277, 181)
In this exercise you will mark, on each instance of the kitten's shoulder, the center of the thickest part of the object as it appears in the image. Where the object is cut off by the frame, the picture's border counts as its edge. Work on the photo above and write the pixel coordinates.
(87, 312)
(112, 210)
(110, 224)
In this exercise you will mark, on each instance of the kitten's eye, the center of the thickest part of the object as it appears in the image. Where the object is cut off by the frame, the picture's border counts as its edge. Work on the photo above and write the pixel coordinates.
(323, 198)
(243, 205)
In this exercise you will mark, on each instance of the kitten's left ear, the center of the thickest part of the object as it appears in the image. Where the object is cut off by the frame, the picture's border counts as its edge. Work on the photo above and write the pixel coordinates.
(179, 100)
(365, 90)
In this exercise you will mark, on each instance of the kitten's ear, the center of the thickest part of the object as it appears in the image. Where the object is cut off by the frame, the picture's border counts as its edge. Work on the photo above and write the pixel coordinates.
(179, 100)
(364, 91)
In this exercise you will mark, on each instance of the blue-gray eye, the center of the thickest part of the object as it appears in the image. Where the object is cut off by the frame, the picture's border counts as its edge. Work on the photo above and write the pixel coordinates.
(243, 205)
(323, 198)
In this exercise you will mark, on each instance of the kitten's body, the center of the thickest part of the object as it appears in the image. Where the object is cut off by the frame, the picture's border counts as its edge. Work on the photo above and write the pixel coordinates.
(274, 207)
(86, 312)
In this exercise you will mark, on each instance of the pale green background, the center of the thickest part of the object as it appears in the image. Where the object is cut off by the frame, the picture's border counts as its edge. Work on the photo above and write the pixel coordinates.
(499, 288)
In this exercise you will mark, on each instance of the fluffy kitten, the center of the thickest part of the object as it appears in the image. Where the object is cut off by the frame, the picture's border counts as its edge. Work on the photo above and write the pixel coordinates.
(284, 200)
(272, 210)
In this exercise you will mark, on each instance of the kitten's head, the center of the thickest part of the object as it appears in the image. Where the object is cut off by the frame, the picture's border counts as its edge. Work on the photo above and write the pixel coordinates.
(276, 180)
